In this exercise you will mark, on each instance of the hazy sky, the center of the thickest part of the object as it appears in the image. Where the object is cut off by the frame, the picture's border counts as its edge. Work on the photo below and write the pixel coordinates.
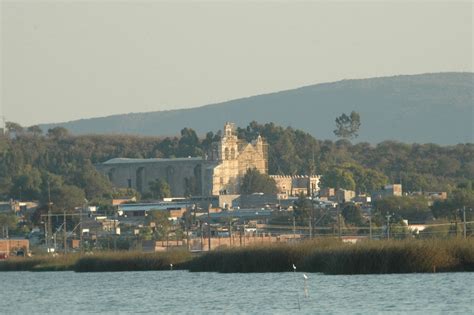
(65, 60)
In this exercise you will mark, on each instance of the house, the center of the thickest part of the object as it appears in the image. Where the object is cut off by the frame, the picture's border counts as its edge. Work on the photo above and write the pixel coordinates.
(175, 209)
(387, 190)
(297, 184)
(344, 195)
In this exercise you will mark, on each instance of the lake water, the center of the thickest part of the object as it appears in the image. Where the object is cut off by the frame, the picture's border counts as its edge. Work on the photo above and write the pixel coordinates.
(263, 293)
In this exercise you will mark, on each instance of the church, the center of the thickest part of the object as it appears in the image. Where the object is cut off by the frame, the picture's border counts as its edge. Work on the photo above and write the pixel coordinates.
(218, 172)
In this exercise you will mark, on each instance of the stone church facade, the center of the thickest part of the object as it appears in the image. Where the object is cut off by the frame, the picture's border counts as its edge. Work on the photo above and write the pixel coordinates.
(219, 172)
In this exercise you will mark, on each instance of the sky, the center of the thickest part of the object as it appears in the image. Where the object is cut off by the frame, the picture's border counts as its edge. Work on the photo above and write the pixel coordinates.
(67, 60)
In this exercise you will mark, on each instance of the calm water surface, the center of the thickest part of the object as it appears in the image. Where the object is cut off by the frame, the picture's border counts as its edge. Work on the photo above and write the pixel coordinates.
(264, 293)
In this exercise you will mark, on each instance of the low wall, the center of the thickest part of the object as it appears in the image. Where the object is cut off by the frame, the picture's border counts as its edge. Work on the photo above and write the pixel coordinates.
(7, 245)
(197, 244)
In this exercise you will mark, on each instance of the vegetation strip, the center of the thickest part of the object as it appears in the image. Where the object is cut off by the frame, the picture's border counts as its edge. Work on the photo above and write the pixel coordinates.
(328, 256)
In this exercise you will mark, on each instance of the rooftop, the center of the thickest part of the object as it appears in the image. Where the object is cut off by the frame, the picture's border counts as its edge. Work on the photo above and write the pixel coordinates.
(154, 160)
(153, 206)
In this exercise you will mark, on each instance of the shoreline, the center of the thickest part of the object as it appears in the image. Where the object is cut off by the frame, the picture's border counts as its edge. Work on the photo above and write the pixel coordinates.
(327, 257)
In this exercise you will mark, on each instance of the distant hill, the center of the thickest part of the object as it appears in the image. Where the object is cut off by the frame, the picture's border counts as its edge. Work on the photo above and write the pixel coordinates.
(426, 108)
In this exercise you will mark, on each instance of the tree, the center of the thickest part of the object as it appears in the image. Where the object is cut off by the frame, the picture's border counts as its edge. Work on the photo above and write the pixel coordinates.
(58, 132)
(64, 197)
(352, 214)
(303, 209)
(366, 180)
(256, 182)
(95, 184)
(14, 128)
(347, 126)
(35, 130)
(67, 197)
(412, 208)
(27, 184)
(8, 220)
(189, 144)
(160, 189)
(338, 178)
(160, 220)
(451, 208)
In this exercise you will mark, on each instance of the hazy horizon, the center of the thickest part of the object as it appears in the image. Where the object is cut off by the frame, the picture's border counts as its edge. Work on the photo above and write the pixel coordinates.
(68, 60)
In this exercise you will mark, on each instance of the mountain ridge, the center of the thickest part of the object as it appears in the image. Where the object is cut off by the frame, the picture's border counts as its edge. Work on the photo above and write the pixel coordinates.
(448, 94)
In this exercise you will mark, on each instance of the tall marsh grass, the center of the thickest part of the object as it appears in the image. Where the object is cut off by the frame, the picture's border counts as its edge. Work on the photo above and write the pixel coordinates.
(338, 258)
(39, 263)
(326, 256)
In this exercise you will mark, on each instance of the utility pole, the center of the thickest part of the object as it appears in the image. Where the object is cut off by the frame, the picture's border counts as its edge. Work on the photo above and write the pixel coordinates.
(464, 221)
(339, 221)
(80, 231)
(50, 225)
(65, 234)
(209, 226)
(115, 234)
(202, 236)
(230, 232)
(294, 227)
(46, 236)
(388, 216)
(311, 220)
(186, 225)
(370, 224)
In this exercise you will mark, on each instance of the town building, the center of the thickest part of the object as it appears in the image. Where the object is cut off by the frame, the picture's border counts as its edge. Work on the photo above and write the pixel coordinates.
(295, 185)
(387, 190)
(344, 195)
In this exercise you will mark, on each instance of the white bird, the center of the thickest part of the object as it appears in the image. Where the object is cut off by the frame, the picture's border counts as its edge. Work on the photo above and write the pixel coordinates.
(294, 267)
(305, 276)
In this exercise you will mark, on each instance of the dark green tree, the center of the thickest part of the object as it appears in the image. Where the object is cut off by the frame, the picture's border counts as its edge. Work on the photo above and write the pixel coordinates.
(160, 223)
(160, 189)
(352, 214)
(411, 208)
(347, 126)
(27, 184)
(35, 130)
(256, 182)
(189, 144)
(14, 128)
(58, 133)
(457, 200)
(303, 209)
(338, 178)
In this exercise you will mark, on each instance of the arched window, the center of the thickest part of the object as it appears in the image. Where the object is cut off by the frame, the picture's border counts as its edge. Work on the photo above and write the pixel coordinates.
(226, 153)
(111, 175)
(140, 177)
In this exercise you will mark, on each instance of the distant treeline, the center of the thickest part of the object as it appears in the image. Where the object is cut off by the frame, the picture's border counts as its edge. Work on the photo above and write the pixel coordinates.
(33, 164)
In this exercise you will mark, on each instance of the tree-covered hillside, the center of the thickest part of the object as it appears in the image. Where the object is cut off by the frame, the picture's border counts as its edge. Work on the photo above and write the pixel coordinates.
(32, 163)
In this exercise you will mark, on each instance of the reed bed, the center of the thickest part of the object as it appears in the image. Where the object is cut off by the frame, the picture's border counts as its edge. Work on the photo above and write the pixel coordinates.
(333, 257)
(325, 256)
(270, 258)
(39, 263)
